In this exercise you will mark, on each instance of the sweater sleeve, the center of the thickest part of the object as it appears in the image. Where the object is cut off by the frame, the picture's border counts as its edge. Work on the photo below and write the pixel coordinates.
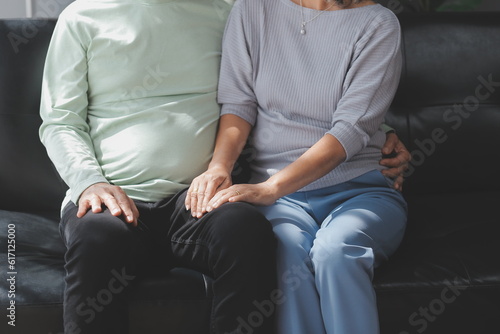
(235, 91)
(369, 86)
(64, 130)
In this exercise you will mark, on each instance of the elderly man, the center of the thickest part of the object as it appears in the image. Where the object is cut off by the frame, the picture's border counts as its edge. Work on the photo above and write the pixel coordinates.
(129, 118)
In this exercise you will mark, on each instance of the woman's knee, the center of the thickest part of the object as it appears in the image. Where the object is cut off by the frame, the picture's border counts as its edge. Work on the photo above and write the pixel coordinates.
(343, 256)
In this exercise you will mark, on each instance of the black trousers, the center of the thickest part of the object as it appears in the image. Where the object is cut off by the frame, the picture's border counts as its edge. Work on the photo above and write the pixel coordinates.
(234, 245)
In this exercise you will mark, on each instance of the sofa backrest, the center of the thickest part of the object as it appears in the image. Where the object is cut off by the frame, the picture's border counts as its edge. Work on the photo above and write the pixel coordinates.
(447, 108)
(28, 182)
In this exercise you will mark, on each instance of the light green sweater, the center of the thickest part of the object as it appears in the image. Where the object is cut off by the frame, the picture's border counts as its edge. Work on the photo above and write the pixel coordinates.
(129, 94)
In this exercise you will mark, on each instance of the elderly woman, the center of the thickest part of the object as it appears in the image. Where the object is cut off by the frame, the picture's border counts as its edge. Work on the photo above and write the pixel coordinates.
(307, 83)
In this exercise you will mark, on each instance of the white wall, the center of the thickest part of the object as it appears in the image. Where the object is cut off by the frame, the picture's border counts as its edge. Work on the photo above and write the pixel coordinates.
(48, 8)
(11, 9)
(31, 8)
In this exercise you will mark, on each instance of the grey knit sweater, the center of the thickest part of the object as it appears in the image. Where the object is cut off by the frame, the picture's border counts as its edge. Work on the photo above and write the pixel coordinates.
(338, 78)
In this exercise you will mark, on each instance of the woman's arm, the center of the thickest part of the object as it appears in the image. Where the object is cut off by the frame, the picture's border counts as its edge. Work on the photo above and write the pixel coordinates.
(322, 157)
(231, 138)
(317, 161)
(237, 118)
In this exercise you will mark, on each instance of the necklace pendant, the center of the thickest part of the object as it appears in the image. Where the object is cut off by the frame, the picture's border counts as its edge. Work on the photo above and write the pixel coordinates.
(303, 23)
(302, 29)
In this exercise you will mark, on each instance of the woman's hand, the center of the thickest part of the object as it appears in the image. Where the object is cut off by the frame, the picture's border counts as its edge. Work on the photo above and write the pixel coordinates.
(231, 138)
(257, 194)
(398, 162)
(204, 187)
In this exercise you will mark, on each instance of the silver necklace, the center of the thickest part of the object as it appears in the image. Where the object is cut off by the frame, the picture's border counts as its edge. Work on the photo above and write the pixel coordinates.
(303, 23)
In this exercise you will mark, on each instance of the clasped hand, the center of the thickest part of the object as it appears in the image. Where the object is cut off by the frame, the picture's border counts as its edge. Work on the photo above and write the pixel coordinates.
(204, 187)
(214, 188)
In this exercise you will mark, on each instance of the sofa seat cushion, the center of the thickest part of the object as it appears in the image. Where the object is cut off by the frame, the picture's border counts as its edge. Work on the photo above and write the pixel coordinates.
(450, 237)
(39, 273)
(447, 270)
(39, 257)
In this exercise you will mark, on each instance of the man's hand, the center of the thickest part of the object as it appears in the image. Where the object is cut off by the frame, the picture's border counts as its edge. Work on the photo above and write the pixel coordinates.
(113, 197)
(396, 164)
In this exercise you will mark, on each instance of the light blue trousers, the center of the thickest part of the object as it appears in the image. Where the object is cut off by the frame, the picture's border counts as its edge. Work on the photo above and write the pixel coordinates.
(329, 242)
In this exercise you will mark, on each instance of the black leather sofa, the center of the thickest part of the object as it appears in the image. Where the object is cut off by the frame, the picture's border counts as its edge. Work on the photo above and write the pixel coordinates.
(444, 279)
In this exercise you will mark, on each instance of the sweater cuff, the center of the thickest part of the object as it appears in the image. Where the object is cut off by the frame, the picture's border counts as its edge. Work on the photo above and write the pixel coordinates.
(246, 111)
(349, 138)
(386, 128)
(80, 188)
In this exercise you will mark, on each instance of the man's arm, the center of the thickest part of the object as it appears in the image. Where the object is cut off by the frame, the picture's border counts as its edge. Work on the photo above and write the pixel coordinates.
(396, 157)
(65, 131)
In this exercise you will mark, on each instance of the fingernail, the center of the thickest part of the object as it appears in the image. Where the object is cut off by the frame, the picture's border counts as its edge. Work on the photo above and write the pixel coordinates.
(209, 208)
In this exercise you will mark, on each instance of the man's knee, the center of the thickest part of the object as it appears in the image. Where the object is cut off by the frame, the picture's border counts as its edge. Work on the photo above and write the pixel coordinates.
(243, 232)
(243, 220)
(96, 231)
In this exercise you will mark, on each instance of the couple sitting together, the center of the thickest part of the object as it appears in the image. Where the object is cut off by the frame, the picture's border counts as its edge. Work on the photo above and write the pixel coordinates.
(146, 107)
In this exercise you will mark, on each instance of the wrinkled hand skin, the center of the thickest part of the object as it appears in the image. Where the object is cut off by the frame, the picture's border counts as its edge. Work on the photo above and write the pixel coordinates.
(204, 187)
(113, 197)
(257, 194)
(396, 158)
